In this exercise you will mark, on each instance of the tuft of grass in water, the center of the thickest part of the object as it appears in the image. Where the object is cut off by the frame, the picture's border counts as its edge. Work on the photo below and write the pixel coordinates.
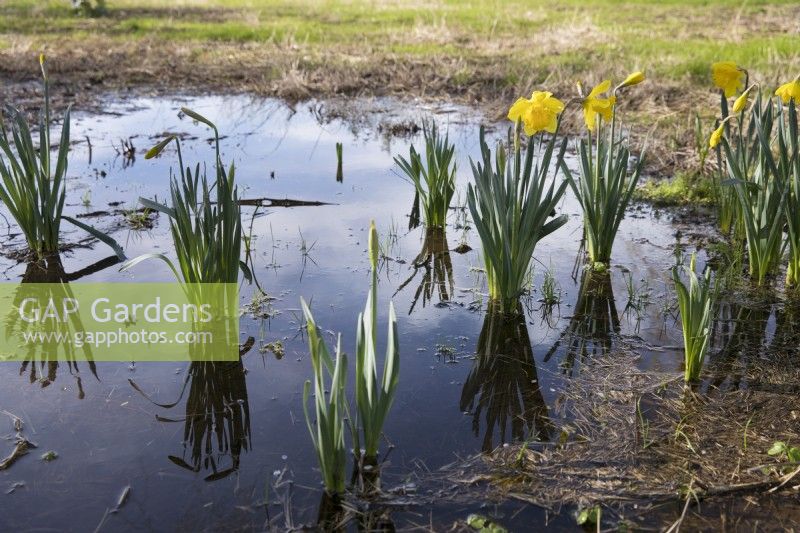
(694, 303)
(551, 290)
(604, 187)
(434, 178)
(138, 220)
(32, 188)
(683, 189)
(374, 396)
(513, 208)
(206, 230)
(328, 427)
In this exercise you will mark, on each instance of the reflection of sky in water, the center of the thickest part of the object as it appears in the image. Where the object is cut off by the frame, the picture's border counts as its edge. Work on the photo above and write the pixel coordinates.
(112, 438)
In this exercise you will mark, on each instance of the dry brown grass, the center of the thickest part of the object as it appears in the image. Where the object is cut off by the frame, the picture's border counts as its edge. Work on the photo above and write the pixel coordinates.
(639, 444)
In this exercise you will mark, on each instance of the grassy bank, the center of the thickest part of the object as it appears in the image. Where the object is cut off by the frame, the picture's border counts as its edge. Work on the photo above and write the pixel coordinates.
(478, 52)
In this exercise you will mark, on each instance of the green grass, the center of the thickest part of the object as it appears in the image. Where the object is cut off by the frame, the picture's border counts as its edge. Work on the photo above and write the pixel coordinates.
(683, 189)
(488, 53)
(673, 38)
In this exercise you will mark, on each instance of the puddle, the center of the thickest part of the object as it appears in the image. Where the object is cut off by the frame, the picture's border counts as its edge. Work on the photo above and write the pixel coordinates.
(222, 443)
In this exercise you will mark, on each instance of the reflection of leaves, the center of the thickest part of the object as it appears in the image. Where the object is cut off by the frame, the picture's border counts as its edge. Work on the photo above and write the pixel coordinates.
(503, 383)
(740, 332)
(594, 322)
(217, 415)
(41, 360)
(438, 269)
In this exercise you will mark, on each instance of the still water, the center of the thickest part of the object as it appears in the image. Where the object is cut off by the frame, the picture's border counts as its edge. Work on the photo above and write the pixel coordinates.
(206, 449)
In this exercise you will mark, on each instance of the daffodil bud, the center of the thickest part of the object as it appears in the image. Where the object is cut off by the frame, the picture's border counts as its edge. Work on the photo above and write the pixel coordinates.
(632, 79)
(373, 245)
(41, 65)
(740, 103)
(716, 136)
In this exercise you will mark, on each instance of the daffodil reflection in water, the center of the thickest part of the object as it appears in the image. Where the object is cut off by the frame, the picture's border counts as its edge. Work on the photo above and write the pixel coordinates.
(593, 324)
(437, 266)
(503, 386)
(42, 361)
(217, 416)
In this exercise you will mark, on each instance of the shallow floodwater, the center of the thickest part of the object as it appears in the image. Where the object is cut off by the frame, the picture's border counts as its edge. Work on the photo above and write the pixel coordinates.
(253, 463)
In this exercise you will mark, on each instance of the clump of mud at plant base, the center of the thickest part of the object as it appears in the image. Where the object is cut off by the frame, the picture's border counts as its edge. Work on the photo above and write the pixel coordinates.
(640, 444)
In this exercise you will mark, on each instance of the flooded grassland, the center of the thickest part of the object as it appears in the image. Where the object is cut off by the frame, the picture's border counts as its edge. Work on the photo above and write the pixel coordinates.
(575, 403)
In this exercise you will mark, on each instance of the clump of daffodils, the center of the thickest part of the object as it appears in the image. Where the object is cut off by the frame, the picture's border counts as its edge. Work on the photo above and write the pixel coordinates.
(758, 179)
(605, 186)
(730, 79)
(513, 199)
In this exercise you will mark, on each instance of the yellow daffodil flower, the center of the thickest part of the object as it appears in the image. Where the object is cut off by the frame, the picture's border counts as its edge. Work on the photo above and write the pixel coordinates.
(632, 79)
(740, 103)
(593, 105)
(716, 136)
(789, 91)
(539, 113)
(728, 77)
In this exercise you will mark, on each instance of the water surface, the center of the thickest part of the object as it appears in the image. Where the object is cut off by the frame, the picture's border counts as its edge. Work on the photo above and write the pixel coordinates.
(213, 453)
